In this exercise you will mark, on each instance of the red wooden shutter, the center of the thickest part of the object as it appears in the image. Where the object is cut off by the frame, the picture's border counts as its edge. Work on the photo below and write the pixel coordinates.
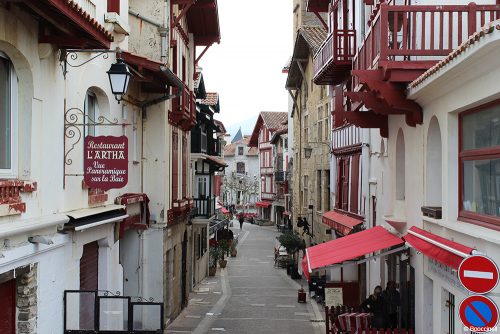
(354, 183)
(340, 167)
(175, 165)
(89, 266)
(8, 307)
(184, 166)
(345, 184)
(114, 6)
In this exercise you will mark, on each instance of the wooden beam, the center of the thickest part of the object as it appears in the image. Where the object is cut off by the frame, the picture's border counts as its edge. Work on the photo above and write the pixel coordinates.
(201, 54)
(184, 11)
(321, 20)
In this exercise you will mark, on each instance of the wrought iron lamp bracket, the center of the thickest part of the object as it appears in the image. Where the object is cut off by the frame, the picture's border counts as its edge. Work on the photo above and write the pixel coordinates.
(68, 57)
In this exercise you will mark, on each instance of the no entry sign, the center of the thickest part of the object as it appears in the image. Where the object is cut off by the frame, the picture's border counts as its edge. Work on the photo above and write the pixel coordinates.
(478, 274)
(479, 314)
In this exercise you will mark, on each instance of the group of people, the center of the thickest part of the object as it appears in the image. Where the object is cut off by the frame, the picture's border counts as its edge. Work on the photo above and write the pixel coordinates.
(384, 306)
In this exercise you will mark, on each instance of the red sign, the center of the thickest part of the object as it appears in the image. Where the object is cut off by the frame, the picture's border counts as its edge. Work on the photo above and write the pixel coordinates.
(479, 314)
(106, 162)
(478, 274)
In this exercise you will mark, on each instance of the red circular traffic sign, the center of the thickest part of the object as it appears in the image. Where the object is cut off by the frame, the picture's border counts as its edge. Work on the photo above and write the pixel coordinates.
(479, 314)
(478, 274)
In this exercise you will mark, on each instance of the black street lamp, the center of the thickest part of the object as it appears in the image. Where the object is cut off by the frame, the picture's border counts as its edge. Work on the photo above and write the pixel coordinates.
(119, 78)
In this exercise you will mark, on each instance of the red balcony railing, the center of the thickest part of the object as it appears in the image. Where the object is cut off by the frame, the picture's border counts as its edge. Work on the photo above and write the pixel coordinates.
(183, 112)
(333, 61)
(419, 34)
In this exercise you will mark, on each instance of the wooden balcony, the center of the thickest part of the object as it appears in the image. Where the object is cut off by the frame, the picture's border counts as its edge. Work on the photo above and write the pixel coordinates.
(413, 38)
(401, 44)
(317, 5)
(183, 113)
(205, 207)
(333, 61)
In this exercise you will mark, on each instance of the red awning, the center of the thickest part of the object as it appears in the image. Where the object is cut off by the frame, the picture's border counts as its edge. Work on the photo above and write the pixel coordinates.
(224, 210)
(349, 247)
(440, 249)
(263, 204)
(342, 223)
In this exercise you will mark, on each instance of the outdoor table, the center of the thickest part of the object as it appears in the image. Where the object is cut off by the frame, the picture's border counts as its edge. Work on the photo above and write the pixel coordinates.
(354, 322)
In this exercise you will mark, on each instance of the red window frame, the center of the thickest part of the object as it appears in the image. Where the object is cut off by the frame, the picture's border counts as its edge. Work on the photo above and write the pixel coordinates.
(484, 153)
(175, 164)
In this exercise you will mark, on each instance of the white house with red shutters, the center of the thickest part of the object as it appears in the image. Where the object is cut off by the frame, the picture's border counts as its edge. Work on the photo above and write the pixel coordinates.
(412, 93)
(271, 194)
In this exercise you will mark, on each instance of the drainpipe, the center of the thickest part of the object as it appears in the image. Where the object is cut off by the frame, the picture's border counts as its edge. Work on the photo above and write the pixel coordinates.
(145, 19)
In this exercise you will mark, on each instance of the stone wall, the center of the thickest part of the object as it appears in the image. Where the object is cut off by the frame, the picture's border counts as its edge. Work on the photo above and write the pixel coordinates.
(26, 294)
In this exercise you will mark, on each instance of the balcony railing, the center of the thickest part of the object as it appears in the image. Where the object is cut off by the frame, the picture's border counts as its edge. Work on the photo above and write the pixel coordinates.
(268, 196)
(183, 112)
(333, 61)
(419, 34)
(280, 176)
(205, 207)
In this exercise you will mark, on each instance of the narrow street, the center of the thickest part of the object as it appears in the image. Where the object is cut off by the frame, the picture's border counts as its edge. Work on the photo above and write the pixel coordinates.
(250, 295)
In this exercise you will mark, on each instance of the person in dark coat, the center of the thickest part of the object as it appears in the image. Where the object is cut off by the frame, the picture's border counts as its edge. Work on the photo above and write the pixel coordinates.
(241, 219)
(375, 304)
(392, 301)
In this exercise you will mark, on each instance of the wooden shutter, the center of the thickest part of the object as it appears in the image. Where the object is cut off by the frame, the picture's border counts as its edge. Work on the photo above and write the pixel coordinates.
(114, 6)
(175, 165)
(184, 165)
(89, 267)
(354, 183)
(345, 184)
(8, 307)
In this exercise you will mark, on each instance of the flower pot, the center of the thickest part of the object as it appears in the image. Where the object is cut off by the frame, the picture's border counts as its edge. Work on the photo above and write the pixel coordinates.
(223, 263)
(234, 252)
(212, 271)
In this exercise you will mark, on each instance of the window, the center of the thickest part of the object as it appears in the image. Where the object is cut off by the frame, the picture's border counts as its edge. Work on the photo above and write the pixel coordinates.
(202, 187)
(185, 152)
(175, 165)
(348, 183)
(327, 123)
(326, 175)
(319, 191)
(306, 129)
(480, 164)
(91, 109)
(114, 6)
(8, 118)
(320, 123)
(285, 143)
(305, 197)
(240, 167)
(240, 150)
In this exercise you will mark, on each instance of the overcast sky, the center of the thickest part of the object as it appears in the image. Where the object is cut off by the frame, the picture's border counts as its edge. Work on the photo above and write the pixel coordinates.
(245, 68)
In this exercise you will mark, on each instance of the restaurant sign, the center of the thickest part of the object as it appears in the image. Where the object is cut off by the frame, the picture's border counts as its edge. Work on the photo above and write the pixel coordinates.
(106, 162)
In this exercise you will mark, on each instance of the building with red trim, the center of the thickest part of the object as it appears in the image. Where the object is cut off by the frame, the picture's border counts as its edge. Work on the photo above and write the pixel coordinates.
(271, 193)
(419, 75)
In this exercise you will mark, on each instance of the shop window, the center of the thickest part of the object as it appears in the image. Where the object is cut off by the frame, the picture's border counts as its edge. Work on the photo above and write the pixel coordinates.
(479, 165)
(400, 166)
(433, 165)
(8, 118)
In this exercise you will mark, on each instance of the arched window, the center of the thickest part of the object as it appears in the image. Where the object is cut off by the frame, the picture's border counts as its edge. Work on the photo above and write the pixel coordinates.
(91, 108)
(8, 118)
(240, 167)
(433, 180)
(400, 166)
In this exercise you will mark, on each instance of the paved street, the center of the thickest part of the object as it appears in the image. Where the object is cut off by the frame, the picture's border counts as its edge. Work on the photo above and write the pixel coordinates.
(250, 295)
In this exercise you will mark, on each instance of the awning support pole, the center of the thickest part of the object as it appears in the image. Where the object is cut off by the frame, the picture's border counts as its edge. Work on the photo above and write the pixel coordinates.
(440, 245)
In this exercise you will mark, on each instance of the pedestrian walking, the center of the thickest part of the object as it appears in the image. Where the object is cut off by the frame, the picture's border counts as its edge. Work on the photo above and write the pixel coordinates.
(375, 304)
(392, 300)
(241, 220)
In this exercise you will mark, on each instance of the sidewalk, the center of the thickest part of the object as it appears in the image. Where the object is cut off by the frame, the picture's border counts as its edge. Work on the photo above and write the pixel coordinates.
(250, 295)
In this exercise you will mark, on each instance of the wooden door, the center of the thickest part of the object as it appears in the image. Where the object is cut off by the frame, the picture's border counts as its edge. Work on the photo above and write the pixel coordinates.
(89, 270)
(8, 307)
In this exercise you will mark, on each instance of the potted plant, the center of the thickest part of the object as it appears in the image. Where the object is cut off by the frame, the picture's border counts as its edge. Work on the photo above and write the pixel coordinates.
(212, 259)
(223, 246)
(292, 243)
(234, 251)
